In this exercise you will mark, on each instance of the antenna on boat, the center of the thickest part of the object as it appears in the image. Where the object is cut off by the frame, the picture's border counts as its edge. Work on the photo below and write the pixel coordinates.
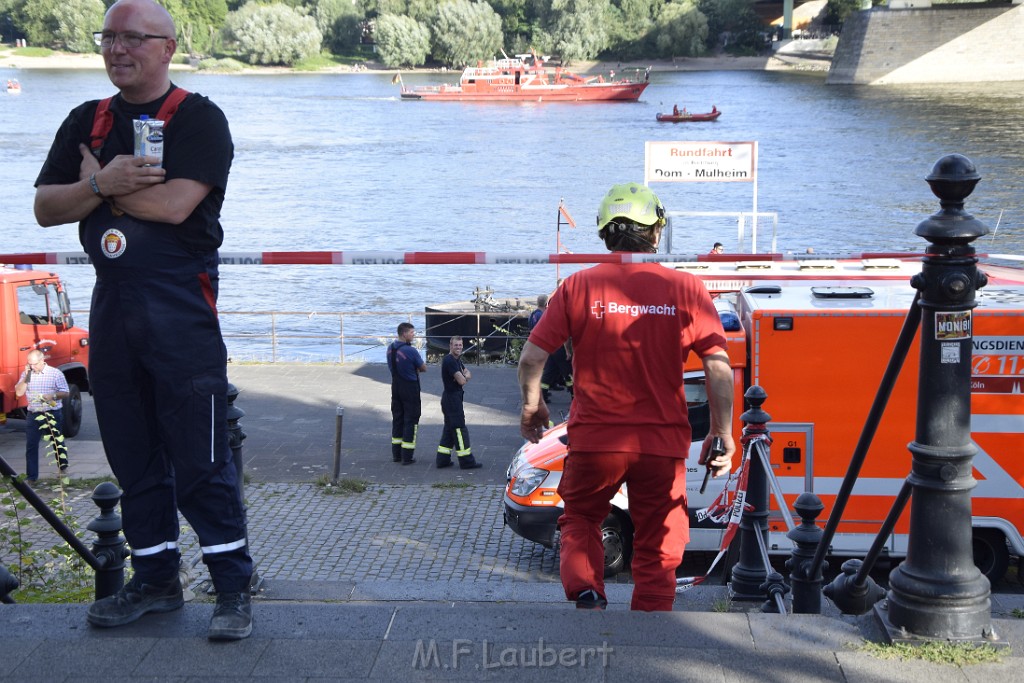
(559, 248)
(996, 229)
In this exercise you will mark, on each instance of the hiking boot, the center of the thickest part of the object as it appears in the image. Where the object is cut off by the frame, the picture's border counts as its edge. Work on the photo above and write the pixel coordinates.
(590, 599)
(134, 600)
(232, 617)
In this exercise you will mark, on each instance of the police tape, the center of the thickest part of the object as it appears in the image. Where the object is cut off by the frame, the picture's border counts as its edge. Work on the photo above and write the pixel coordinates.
(411, 258)
(722, 508)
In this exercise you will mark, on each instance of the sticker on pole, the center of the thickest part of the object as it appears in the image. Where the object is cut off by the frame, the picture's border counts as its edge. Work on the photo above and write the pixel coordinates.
(694, 162)
(952, 325)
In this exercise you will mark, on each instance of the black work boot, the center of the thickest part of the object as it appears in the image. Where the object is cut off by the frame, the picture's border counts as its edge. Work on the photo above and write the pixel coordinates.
(590, 599)
(134, 600)
(468, 462)
(443, 460)
(232, 617)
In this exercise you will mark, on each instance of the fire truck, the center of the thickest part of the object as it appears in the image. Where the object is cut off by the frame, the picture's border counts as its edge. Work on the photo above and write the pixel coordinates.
(819, 348)
(35, 314)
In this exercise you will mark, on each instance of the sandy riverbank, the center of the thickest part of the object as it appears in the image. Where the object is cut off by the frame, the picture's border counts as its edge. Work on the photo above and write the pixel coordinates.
(63, 60)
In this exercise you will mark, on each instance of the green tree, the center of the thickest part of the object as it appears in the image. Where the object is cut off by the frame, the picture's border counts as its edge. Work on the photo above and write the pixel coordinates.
(516, 17)
(401, 41)
(374, 8)
(341, 23)
(272, 34)
(734, 23)
(837, 11)
(198, 23)
(629, 25)
(681, 30)
(579, 28)
(463, 32)
(60, 24)
(423, 10)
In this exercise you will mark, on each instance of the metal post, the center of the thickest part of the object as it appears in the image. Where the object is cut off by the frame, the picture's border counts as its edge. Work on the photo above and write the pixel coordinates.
(806, 537)
(109, 548)
(749, 573)
(338, 420)
(235, 438)
(938, 592)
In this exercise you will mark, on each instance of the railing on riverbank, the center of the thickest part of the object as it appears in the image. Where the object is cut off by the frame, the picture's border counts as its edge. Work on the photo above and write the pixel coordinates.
(312, 336)
(324, 336)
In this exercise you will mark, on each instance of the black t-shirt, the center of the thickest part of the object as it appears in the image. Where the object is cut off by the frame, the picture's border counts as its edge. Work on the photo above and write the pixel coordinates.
(449, 366)
(197, 146)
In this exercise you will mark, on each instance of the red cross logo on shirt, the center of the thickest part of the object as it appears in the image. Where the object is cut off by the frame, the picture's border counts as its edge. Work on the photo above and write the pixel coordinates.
(597, 309)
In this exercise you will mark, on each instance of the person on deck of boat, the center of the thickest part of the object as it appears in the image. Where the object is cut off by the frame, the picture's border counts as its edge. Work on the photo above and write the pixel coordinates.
(675, 110)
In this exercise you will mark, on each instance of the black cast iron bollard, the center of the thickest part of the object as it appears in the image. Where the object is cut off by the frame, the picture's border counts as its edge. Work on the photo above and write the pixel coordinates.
(8, 583)
(749, 573)
(938, 592)
(805, 537)
(235, 438)
(109, 548)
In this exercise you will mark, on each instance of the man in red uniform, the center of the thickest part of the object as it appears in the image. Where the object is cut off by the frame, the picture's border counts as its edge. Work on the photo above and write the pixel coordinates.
(632, 326)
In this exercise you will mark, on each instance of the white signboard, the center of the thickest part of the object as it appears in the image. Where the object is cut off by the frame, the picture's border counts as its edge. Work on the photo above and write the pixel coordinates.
(694, 162)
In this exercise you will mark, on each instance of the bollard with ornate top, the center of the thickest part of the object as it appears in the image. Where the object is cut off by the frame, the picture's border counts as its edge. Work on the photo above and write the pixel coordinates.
(109, 548)
(749, 574)
(938, 592)
(806, 537)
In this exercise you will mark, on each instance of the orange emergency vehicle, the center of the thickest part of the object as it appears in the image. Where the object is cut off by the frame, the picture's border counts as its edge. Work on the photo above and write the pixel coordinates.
(819, 350)
(35, 314)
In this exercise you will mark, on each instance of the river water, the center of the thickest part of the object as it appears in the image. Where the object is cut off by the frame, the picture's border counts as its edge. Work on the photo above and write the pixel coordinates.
(338, 162)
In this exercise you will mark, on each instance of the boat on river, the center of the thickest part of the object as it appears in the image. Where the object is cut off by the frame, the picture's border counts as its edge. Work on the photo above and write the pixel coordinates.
(485, 323)
(685, 116)
(525, 78)
(13, 86)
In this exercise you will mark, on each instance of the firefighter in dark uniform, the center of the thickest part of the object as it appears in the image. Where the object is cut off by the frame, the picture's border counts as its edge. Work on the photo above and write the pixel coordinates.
(405, 364)
(158, 365)
(455, 436)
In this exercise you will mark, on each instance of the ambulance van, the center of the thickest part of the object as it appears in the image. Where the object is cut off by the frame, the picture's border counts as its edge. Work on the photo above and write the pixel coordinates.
(819, 352)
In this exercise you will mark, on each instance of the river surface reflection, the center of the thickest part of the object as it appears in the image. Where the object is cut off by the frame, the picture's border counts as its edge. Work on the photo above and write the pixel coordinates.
(338, 162)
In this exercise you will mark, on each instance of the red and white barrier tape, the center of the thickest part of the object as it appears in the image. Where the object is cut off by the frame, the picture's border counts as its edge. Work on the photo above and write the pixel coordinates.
(721, 508)
(410, 258)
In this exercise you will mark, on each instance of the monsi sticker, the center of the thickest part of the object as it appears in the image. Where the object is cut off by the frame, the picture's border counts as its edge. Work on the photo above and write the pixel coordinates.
(952, 325)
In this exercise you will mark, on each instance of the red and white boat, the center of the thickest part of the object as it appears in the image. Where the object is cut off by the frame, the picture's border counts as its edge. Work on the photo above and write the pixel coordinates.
(525, 78)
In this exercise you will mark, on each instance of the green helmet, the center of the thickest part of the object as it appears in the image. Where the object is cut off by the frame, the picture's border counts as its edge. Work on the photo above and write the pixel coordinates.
(632, 202)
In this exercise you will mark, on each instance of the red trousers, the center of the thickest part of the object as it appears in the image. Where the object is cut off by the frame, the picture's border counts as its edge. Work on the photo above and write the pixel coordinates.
(657, 505)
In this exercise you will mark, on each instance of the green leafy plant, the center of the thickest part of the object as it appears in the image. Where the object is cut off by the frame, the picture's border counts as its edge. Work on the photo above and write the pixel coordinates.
(55, 573)
(451, 485)
(341, 487)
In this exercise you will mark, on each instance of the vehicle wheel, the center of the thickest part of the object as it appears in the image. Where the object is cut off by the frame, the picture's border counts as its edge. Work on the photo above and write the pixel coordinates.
(617, 537)
(72, 411)
(990, 553)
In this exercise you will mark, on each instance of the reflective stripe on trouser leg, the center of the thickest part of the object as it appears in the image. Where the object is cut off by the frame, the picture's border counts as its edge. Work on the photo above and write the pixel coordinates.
(462, 439)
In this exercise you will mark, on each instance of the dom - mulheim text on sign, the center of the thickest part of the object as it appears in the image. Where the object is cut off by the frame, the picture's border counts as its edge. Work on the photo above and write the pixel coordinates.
(470, 654)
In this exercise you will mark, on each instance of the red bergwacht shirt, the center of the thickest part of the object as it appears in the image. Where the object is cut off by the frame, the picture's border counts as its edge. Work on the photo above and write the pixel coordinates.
(632, 327)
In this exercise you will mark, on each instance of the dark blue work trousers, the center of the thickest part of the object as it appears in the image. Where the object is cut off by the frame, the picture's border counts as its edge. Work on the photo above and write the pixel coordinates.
(159, 379)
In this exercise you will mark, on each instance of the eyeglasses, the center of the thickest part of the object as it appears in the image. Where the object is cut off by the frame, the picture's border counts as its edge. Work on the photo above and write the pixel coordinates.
(128, 39)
